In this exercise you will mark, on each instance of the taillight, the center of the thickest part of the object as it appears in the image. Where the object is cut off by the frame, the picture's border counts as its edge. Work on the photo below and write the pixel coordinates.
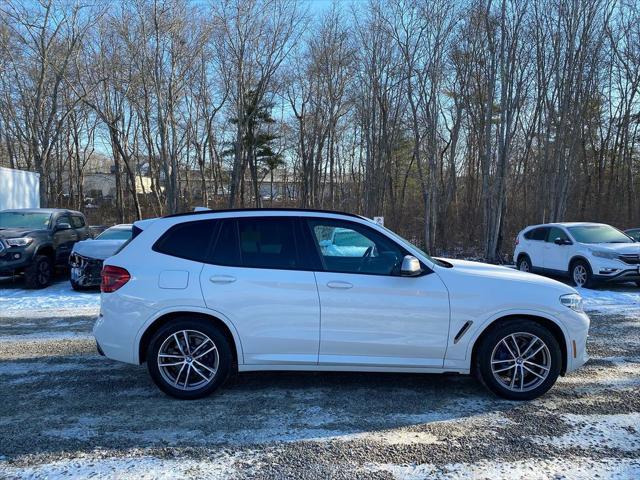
(113, 278)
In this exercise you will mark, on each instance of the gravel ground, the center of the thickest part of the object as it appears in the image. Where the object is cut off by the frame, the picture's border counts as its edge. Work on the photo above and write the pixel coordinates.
(68, 412)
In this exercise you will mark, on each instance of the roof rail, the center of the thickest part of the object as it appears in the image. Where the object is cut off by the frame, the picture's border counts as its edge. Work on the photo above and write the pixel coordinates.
(227, 210)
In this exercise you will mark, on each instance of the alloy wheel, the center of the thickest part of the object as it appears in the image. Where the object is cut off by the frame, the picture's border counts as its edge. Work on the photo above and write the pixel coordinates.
(520, 362)
(524, 266)
(580, 275)
(43, 273)
(188, 360)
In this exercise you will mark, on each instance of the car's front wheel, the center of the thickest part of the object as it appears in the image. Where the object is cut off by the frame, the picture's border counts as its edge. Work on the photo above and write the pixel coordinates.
(189, 358)
(581, 274)
(518, 360)
(39, 273)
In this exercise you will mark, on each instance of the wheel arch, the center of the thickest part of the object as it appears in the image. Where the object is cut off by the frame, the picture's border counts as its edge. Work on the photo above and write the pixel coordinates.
(551, 325)
(48, 250)
(165, 318)
(576, 258)
(524, 254)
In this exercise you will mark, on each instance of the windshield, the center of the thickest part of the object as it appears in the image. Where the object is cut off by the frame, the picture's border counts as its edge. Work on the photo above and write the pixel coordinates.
(115, 234)
(34, 220)
(598, 234)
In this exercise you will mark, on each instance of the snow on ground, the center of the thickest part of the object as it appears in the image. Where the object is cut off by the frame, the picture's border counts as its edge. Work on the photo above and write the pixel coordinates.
(611, 298)
(58, 300)
(139, 467)
(534, 469)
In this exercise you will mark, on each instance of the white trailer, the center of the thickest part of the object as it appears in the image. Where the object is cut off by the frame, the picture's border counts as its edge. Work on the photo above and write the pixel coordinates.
(19, 189)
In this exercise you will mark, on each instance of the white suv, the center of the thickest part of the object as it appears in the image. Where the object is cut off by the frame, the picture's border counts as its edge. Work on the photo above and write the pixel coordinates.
(586, 252)
(198, 296)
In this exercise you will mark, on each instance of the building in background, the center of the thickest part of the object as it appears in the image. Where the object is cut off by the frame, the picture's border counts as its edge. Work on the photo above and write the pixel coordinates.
(19, 189)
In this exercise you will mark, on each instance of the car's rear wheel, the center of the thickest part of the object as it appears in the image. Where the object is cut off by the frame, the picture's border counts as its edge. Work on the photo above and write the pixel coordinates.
(189, 358)
(581, 274)
(39, 273)
(524, 263)
(518, 360)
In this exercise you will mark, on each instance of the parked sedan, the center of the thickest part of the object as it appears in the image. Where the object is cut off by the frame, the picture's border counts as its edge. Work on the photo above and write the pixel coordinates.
(87, 256)
(198, 295)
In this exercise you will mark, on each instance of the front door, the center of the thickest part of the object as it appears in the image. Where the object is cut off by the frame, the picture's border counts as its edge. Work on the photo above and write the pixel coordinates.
(254, 279)
(64, 239)
(372, 316)
(556, 257)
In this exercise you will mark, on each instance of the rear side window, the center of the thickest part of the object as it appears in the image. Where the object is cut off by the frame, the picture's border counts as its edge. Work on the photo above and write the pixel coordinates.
(537, 234)
(267, 242)
(188, 240)
(227, 251)
(77, 221)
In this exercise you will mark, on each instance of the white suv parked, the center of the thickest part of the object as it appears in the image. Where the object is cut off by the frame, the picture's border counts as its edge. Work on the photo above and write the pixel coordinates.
(200, 295)
(586, 252)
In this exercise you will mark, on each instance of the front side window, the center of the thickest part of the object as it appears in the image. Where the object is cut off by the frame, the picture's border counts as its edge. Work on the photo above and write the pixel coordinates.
(555, 232)
(352, 248)
(598, 234)
(188, 240)
(64, 219)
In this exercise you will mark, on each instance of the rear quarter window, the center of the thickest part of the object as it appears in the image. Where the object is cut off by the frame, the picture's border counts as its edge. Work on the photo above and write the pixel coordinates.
(188, 240)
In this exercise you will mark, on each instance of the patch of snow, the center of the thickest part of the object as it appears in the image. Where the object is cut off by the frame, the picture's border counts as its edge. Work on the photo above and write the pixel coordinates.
(144, 467)
(598, 432)
(606, 300)
(46, 336)
(532, 469)
(57, 300)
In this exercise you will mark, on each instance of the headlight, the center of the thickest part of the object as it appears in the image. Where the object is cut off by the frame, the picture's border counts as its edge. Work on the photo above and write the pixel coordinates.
(573, 301)
(18, 242)
(604, 254)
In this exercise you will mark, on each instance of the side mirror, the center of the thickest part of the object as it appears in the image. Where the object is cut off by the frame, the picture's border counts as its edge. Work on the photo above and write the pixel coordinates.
(561, 241)
(410, 266)
(63, 226)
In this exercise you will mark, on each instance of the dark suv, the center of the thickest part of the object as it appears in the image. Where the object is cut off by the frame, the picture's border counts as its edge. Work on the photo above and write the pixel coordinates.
(34, 241)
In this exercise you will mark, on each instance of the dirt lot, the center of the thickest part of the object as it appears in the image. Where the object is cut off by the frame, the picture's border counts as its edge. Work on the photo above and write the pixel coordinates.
(68, 412)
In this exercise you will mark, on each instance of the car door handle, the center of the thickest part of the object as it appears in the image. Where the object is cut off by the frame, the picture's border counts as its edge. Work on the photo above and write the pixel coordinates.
(340, 285)
(222, 279)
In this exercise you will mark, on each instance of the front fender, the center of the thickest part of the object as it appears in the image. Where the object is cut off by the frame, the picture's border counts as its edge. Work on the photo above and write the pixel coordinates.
(459, 354)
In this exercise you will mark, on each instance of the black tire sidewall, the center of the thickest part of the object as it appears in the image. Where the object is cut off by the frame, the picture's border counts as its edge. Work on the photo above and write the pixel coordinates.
(495, 335)
(31, 272)
(204, 326)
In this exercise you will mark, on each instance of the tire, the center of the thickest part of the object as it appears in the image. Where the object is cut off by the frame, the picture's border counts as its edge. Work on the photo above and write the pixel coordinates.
(77, 287)
(524, 263)
(216, 364)
(580, 274)
(39, 273)
(494, 360)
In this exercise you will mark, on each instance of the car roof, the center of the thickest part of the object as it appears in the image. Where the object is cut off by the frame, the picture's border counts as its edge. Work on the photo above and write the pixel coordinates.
(264, 210)
(41, 210)
(567, 224)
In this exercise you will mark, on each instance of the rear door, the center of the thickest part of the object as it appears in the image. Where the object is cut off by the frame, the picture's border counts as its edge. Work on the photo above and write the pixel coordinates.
(372, 316)
(256, 278)
(536, 245)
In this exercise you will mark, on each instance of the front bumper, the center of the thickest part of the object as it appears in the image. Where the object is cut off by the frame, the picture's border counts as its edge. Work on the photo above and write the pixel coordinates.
(85, 271)
(614, 270)
(15, 260)
(576, 342)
